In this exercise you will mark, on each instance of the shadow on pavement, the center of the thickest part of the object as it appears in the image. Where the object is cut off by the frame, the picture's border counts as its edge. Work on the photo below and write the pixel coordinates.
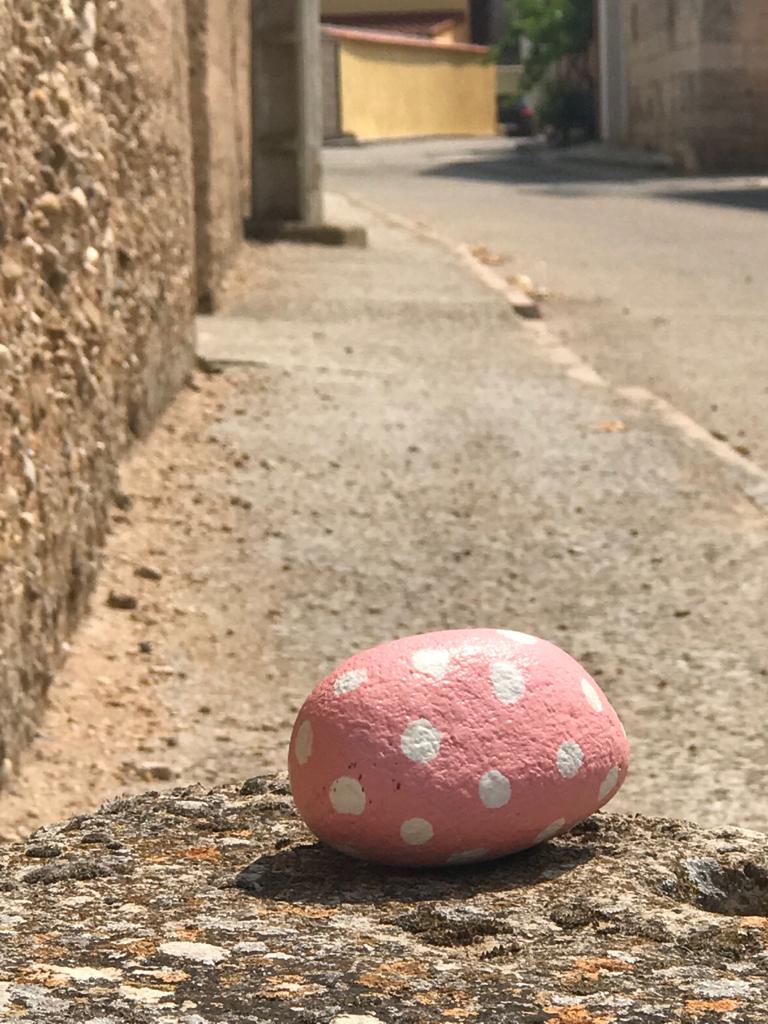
(553, 171)
(531, 165)
(736, 198)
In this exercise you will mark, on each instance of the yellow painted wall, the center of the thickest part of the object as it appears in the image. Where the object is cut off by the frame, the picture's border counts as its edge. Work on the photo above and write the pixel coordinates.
(391, 91)
(331, 7)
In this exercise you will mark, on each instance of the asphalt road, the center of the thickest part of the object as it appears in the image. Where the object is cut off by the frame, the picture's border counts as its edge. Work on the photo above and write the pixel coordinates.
(657, 281)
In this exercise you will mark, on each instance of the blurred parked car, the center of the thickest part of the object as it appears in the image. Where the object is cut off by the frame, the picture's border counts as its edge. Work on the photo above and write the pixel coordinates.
(516, 115)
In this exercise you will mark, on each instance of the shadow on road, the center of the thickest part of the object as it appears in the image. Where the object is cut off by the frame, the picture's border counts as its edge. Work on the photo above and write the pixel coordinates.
(554, 171)
(524, 165)
(737, 198)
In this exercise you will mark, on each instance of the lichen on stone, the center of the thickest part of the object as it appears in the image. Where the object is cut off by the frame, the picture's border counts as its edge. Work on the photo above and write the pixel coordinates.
(220, 907)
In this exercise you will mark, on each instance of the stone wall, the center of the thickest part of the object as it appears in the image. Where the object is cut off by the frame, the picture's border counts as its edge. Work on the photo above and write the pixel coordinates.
(96, 310)
(220, 43)
(754, 54)
(698, 81)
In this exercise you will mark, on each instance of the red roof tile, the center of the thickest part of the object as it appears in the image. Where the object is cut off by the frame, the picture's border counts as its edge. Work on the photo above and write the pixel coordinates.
(417, 23)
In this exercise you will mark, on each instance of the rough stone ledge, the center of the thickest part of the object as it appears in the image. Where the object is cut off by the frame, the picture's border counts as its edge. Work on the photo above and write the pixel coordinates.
(198, 907)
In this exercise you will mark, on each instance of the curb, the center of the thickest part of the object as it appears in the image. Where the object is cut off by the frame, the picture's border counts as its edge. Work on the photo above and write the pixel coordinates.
(747, 475)
(522, 303)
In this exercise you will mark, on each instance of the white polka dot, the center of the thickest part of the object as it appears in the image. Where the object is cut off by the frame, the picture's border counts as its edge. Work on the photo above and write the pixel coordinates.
(495, 789)
(593, 697)
(521, 638)
(420, 741)
(432, 663)
(347, 796)
(303, 744)
(508, 682)
(609, 783)
(416, 831)
(550, 831)
(469, 650)
(467, 856)
(570, 758)
(349, 681)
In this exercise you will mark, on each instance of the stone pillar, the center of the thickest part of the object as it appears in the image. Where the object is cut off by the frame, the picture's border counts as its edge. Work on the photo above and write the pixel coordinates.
(287, 115)
(613, 71)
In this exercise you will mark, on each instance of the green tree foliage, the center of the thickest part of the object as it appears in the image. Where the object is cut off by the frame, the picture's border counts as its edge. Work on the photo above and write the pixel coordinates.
(554, 29)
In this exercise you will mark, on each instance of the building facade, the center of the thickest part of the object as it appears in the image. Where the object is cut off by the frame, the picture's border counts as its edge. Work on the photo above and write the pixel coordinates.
(407, 68)
(390, 86)
(688, 78)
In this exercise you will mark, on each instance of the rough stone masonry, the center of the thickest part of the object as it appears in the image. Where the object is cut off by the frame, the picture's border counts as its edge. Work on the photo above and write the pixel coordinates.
(199, 907)
(96, 298)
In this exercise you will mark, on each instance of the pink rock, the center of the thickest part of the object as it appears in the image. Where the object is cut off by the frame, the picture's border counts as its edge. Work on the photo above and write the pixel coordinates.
(454, 747)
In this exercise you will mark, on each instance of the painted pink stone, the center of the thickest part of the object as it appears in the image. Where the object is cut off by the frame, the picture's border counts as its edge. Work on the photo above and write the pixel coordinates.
(454, 747)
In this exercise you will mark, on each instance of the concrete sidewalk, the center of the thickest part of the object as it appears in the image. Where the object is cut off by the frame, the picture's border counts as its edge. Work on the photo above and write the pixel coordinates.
(392, 455)
(429, 471)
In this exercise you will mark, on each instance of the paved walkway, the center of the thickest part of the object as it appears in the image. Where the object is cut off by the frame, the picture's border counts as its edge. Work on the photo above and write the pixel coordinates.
(398, 457)
(432, 471)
